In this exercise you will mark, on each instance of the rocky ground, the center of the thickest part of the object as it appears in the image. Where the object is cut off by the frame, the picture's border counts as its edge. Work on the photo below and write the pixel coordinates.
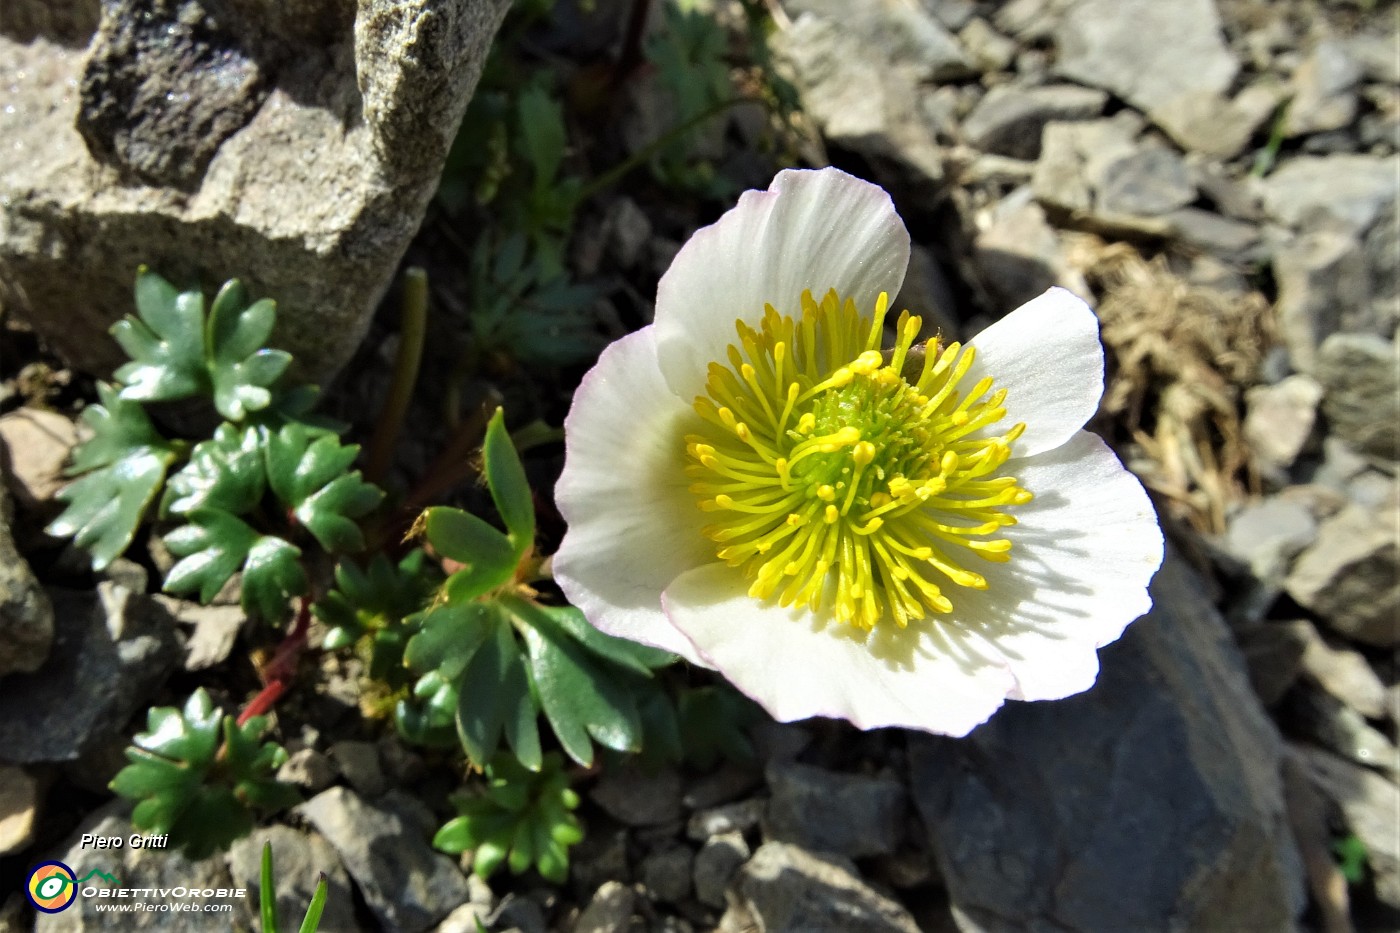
(1218, 177)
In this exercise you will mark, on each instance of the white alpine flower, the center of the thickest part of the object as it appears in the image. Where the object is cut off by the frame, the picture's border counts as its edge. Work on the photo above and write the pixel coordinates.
(900, 537)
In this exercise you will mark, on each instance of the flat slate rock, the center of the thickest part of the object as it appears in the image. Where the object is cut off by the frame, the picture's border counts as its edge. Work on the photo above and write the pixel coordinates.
(406, 884)
(786, 889)
(111, 650)
(1151, 802)
(1145, 51)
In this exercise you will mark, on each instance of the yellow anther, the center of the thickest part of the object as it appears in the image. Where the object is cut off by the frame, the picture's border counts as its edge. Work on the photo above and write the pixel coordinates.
(867, 363)
(831, 514)
(863, 453)
(826, 493)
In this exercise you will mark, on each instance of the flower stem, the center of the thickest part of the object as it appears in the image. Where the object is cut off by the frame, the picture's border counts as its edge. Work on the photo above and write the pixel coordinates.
(278, 673)
(412, 328)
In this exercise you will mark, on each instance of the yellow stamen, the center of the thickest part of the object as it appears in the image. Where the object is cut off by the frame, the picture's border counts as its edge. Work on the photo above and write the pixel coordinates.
(839, 484)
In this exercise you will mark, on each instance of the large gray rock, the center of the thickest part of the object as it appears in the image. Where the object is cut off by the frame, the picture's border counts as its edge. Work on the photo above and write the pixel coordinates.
(1279, 420)
(34, 447)
(1267, 535)
(1010, 119)
(407, 885)
(636, 797)
(26, 614)
(111, 650)
(1324, 90)
(1350, 190)
(19, 809)
(907, 35)
(1360, 376)
(295, 146)
(715, 865)
(865, 105)
(1322, 288)
(786, 889)
(139, 868)
(859, 816)
(1152, 802)
(1152, 180)
(1146, 52)
(1212, 124)
(1019, 255)
(1351, 575)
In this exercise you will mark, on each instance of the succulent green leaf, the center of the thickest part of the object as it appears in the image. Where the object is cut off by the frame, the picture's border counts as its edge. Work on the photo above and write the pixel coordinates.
(125, 464)
(378, 607)
(520, 818)
(165, 343)
(225, 472)
(510, 490)
(213, 547)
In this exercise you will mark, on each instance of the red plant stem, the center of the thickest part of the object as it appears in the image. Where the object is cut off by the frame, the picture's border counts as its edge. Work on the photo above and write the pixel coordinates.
(278, 673)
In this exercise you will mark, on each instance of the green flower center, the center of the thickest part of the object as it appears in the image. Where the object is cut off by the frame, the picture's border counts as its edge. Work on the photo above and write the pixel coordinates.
(844, 477)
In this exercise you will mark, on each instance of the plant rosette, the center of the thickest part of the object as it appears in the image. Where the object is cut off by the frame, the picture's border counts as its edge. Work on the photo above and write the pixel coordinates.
(903, 536)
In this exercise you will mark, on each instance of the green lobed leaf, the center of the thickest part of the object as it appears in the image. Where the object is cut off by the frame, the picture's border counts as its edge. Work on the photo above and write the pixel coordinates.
(195, 773)
(510, 490)
(713, 722)
(165, 342)
(213, 547)
(581, 696)
(642, 659)
(542, 133)
(241, 368)
(487, 693)
(125, 464)
(448, 637)
(489, 556)
(272, 576)
(225, 472)
(308, 475)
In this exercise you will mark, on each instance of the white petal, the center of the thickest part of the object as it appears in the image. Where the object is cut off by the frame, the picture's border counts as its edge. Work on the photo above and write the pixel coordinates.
(1047, 355)
(633, 525)
(1082, 555)
(925, 677)
(811, 230)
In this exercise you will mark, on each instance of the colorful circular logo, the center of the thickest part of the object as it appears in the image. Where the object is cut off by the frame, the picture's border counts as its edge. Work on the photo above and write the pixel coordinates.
(52, 886)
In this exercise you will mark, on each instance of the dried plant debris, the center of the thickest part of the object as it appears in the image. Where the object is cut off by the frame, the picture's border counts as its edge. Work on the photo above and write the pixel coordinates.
(1184, 356)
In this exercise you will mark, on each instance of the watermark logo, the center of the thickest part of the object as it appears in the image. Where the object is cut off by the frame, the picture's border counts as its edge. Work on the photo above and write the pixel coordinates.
(52, 886)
